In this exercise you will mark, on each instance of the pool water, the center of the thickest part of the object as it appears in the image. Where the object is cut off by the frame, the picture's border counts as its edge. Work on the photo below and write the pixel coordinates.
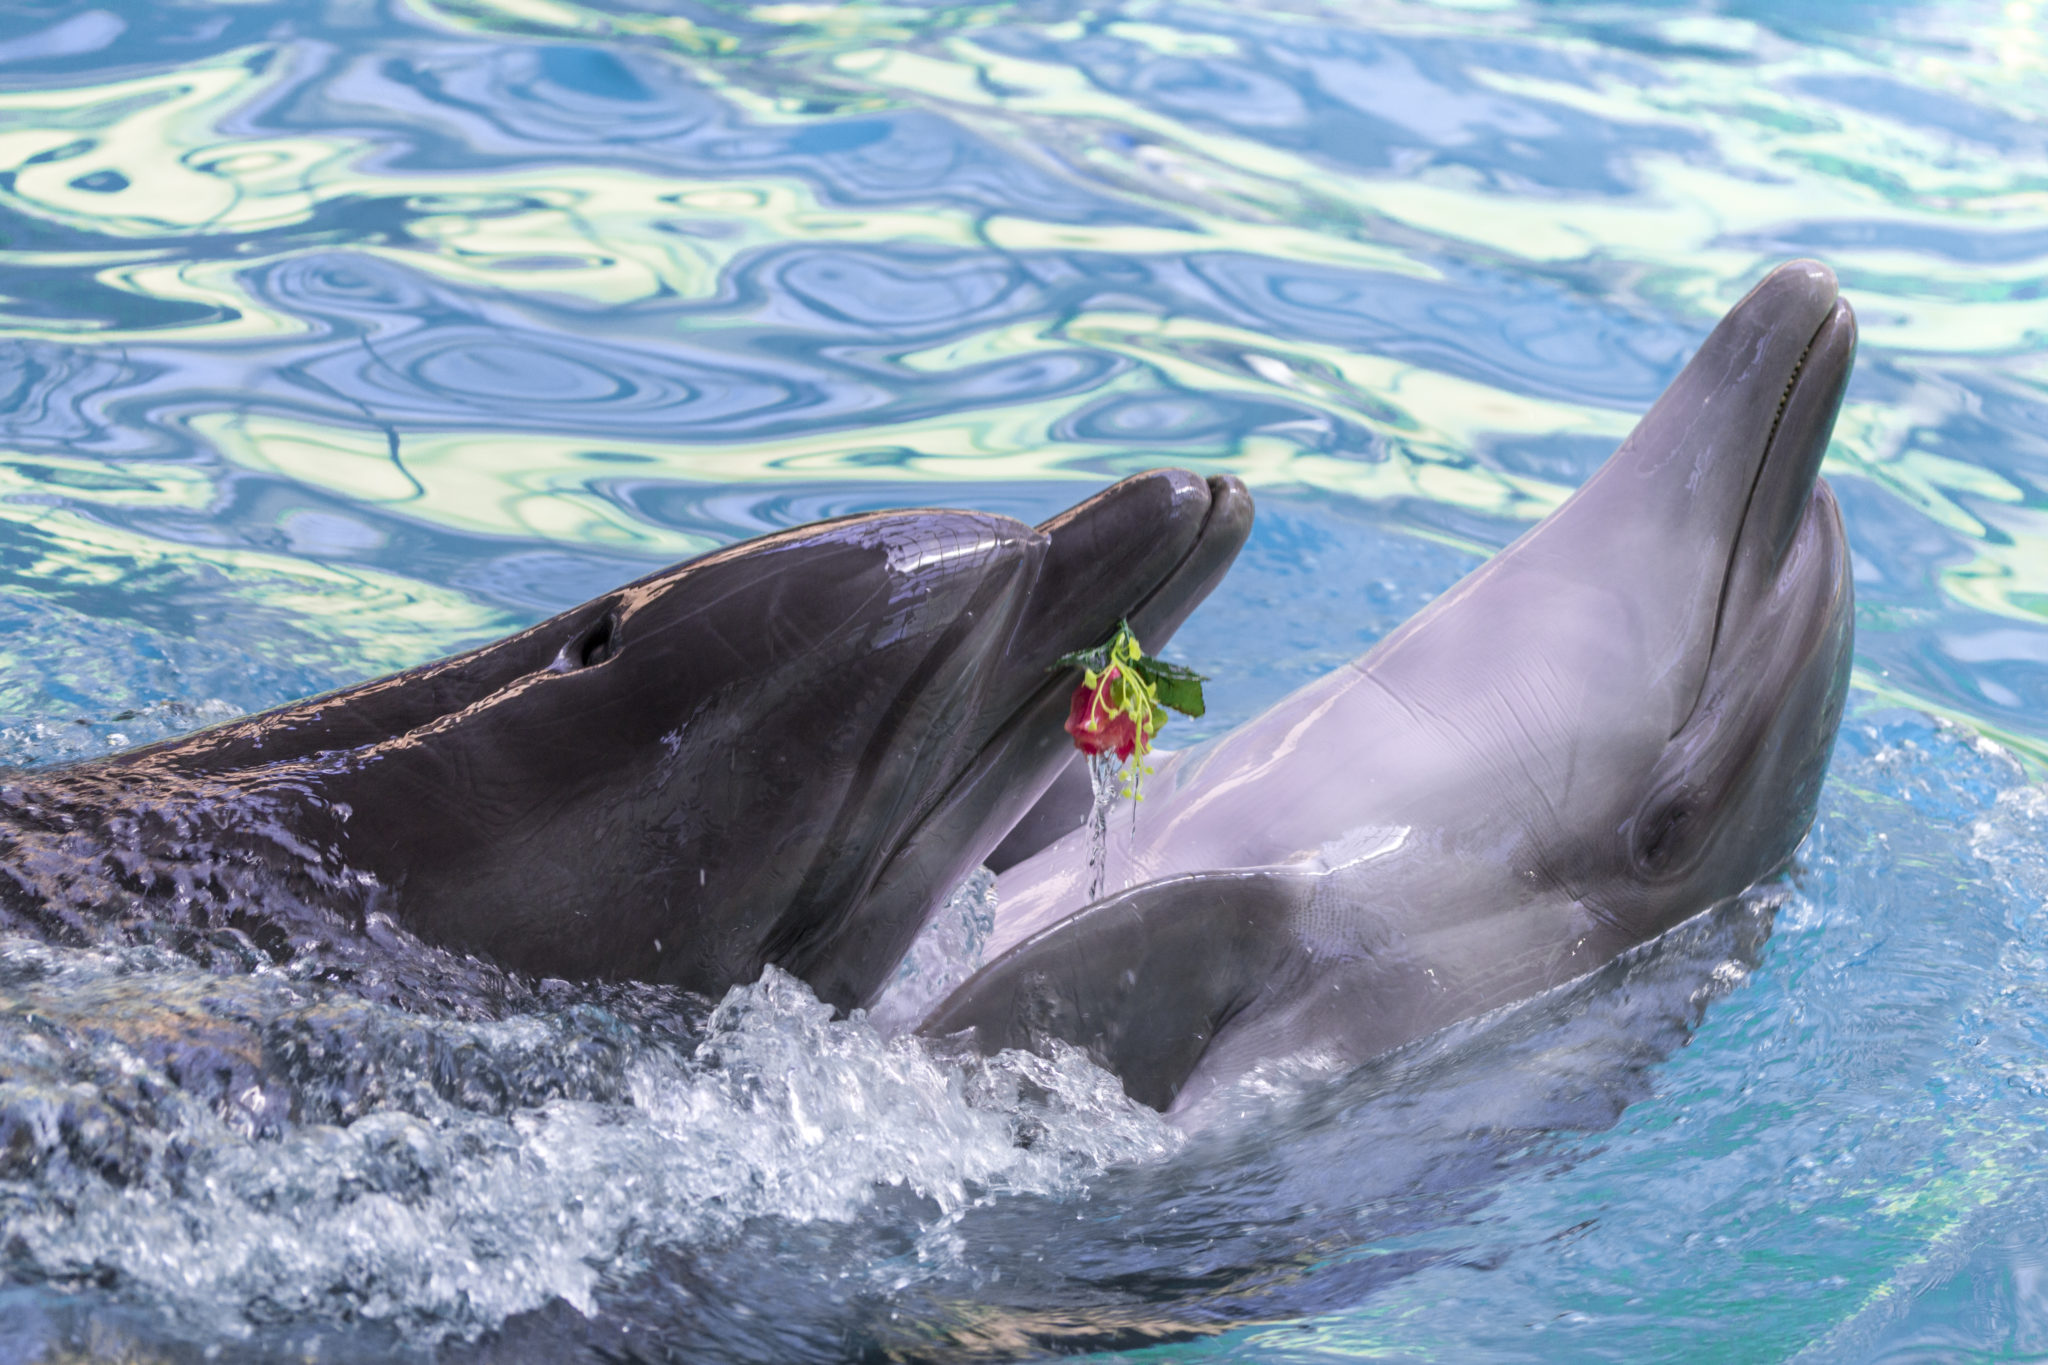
(339, 334)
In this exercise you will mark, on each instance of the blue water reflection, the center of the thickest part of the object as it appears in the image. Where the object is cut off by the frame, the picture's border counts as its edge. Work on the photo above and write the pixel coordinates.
(335, 336)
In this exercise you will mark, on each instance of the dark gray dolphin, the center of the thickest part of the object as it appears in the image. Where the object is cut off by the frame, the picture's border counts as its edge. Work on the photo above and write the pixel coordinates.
(1617, 722)
(783, 752)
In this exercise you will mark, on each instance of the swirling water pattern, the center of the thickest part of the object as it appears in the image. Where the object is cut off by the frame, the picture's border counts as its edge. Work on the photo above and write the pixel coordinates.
(337, 335)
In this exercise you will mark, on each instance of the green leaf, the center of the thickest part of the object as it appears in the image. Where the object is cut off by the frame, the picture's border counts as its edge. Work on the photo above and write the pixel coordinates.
(1156, 669)
(1179, 689)
(1182, 695)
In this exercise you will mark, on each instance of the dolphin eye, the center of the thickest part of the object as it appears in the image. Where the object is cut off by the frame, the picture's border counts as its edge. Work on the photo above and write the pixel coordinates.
(1662, 839)
(598, 643)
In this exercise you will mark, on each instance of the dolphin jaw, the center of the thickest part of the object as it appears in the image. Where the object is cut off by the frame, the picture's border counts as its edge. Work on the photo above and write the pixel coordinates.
(1148, 549)
(1783, 480)
(1788, 475)
(1781, 673)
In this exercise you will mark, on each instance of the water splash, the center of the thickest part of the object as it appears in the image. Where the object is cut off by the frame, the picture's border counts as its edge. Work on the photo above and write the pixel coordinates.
(1106, 784)
(239, 1154)
(949, 949)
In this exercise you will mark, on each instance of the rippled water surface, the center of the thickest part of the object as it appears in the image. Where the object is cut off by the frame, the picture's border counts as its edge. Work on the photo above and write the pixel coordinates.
(338, 334)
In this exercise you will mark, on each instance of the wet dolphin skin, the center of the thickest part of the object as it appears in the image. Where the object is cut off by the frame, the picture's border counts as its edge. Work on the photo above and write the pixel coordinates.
(1617, 722)
(786, 752)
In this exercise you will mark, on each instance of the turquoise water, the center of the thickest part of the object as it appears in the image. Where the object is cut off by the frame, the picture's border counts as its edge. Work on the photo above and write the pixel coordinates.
(335, 336)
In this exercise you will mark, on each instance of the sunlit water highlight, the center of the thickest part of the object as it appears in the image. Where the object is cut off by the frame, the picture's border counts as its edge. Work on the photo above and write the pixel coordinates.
(334, 336)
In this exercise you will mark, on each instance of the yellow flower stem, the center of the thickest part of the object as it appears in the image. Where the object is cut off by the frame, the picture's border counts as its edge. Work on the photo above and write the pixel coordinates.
(1128, 694)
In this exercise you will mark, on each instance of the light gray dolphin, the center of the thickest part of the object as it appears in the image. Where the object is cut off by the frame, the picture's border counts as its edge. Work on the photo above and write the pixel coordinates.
(1617, 722)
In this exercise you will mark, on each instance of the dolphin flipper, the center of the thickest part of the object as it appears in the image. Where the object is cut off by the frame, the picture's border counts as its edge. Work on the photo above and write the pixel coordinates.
(1141, 981)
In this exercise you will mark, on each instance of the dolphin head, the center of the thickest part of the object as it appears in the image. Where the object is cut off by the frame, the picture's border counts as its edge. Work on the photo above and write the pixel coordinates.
(1739, 777)
(1680, 629)
(1617, 722)
(785, 752)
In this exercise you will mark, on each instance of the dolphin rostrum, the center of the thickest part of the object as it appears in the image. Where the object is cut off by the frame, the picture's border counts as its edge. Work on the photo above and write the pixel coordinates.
(1615, 723)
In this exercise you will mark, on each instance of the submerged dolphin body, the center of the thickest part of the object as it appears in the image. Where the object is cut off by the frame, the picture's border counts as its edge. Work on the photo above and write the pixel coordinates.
(785, 752)
(1618, 721)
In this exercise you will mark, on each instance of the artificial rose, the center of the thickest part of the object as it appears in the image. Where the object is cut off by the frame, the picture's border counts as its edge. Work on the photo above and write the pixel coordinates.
(1098, 724)
(1123, 700)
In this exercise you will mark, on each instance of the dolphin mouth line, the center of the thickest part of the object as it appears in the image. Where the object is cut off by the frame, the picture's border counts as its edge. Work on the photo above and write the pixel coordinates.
(1745, 524)
(1784, 402)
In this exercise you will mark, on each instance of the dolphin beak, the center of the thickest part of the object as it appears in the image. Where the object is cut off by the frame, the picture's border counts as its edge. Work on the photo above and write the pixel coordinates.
(1686, 473)
(1790, 471)
(1697, 508)
(1787, 476)
(1148, 549)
